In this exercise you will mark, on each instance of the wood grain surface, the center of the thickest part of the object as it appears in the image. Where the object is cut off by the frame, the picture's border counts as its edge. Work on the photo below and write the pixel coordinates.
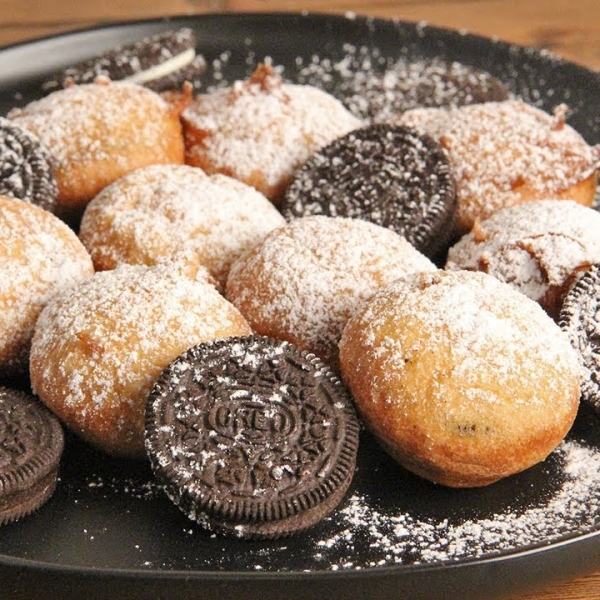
(571, 29)
(568, 28)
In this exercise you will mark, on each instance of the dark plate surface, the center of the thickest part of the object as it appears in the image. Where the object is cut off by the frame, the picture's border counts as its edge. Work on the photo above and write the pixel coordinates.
(108, 532)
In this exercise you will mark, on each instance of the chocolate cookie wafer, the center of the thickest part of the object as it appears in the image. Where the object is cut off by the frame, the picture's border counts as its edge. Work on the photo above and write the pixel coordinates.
(26, 170)
(580, 319)
(390, 175)
(252, 437)
(31, 444)
(161, 62)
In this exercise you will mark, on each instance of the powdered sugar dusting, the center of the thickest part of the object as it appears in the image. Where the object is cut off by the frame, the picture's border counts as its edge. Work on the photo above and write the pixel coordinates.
(261, 129)
(485, 325)
(556, 500)
(375, 87)
(158, 210)
(397, 537)
(537, 247)
(98, 349)
(40, 256)
(505, 152)
(306, 279)
(100, 131)
(94, 105)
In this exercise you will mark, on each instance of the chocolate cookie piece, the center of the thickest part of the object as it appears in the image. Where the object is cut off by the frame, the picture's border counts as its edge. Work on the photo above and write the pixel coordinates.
(251, 436)
(408, 84)
(580, 319)
(160, 62)
(31, 444)
(390, 175)
(26, 170)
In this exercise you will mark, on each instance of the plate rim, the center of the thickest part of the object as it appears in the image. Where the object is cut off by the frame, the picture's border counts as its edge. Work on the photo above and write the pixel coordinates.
(501, 556)
(542, 548)
(103, 25)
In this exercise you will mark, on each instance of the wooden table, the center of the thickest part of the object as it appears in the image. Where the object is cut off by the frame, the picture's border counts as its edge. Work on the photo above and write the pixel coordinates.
(570, 29)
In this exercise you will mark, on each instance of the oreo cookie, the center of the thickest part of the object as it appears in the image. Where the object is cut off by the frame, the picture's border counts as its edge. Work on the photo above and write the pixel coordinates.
(26, 170)
(252, 437)
(390, 175)
(31, 444)
(408, 84)
(580, 319)
(160, 62)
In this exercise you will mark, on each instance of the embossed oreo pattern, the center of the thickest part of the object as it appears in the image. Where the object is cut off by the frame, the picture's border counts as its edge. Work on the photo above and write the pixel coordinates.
(250, 430)
(390, 175)
(26, 170)
(31, 443)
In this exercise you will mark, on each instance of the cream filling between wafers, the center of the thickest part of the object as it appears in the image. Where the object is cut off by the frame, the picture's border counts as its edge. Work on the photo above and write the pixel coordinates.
(176, 63)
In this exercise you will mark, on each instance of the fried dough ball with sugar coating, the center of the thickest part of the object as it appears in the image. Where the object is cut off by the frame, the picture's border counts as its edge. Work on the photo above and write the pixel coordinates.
(463, 379)
(539, 248)
(39, 256)
(306, 279)
(260, 130)
(155, 211)
(98, 349)
(506, 153)
(98, 132)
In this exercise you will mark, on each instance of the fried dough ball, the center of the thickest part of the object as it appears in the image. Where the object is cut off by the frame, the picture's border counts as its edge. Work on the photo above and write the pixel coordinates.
(462, 379)
(98, 132)
(539, 248)
(506, 153)
(98, 349)
(155, 211)
(306, 279)
(260, 130)
(39, 256)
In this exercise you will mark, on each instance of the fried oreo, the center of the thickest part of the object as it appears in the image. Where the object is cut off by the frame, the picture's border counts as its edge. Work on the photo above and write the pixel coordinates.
(251, 436)
(161, 62)
(390, 175)
(580, 319)
(26, 170)
(31, 444)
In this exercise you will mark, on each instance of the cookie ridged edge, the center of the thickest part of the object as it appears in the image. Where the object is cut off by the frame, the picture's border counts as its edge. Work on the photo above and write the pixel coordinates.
(261, 519)
(586, 286)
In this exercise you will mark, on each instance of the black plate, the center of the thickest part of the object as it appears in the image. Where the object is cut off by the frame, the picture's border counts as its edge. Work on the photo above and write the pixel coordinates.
(108, 532)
